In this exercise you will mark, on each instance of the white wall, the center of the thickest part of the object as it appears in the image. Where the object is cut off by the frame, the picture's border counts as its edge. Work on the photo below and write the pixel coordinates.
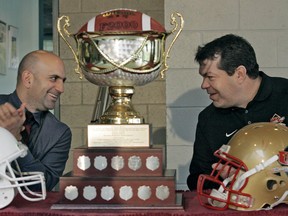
(264, 23)
(23, 15)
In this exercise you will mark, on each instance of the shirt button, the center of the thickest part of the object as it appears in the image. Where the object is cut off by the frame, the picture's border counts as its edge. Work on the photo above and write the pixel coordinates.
(246, 111)
(249, 122)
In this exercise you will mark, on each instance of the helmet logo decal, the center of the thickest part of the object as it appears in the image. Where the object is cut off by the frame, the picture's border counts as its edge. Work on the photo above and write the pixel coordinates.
(283, 158)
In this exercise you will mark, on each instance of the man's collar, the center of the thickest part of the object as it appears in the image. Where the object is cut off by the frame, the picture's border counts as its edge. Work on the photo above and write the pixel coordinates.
(265, 88)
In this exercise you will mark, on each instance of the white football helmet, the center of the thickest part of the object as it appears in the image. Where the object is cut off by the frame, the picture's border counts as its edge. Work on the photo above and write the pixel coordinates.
(13, 180)
(252, 173)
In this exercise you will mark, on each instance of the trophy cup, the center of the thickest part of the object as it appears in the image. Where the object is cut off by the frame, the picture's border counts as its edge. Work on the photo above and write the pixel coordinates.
(120, 49)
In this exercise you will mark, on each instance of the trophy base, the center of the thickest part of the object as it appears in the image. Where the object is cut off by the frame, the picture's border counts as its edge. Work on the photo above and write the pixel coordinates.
(121, 190)
(178, 205)
(121, 110)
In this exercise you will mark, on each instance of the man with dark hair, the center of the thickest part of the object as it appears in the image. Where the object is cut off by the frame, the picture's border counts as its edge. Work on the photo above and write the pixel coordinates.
(240, 94)
(40, 82)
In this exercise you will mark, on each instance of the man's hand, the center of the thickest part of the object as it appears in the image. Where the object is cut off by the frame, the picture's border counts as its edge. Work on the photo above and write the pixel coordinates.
(225, 171)
(12, 119)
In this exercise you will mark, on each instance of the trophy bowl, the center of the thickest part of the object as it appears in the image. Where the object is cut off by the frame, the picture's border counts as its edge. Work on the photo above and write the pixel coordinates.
(121, 49)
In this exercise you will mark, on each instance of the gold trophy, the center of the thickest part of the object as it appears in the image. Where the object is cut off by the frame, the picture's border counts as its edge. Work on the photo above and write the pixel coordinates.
(120, 49)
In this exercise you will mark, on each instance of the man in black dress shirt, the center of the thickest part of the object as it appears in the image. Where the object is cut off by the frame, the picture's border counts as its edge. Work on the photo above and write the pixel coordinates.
(40, 82)
(240, 94)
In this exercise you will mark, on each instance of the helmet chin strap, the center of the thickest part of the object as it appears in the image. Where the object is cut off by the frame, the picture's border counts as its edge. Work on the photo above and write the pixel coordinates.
(239, 182)
(220, 193)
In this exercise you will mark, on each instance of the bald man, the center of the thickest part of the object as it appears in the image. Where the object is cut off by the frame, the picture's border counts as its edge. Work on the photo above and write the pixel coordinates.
(40, 82)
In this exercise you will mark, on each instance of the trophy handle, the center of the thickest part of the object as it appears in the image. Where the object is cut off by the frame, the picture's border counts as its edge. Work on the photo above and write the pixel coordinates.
(66, 32)
(176, 25)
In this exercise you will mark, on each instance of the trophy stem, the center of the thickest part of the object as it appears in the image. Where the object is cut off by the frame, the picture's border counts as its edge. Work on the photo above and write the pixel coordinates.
(120, 110)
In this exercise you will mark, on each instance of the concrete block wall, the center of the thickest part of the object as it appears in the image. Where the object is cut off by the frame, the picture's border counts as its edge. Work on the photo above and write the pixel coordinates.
(77, 102)
(263, 23)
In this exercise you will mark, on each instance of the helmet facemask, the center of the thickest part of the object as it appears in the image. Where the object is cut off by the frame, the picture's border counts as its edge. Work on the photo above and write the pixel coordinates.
(227, 190)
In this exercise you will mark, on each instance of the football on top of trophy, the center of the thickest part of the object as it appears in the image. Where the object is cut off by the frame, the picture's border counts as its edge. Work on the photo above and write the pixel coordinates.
(122, 20)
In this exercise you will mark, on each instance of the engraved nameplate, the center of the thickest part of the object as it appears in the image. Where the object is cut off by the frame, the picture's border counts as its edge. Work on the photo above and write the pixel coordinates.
(108, 135)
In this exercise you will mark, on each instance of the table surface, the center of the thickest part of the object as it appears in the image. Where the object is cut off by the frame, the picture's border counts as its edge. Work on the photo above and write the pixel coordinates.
(190, 206)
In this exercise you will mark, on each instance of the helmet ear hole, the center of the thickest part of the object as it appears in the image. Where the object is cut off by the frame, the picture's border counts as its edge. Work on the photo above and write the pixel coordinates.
(271, 185)
(266, 206)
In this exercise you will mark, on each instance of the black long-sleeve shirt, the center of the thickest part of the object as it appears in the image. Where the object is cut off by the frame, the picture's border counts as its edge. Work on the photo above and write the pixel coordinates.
(48, 147)
(216, 126)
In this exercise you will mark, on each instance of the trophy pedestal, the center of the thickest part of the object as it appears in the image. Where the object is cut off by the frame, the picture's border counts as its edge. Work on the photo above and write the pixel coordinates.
(119, 177)
(113, 135)
(121, 110)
